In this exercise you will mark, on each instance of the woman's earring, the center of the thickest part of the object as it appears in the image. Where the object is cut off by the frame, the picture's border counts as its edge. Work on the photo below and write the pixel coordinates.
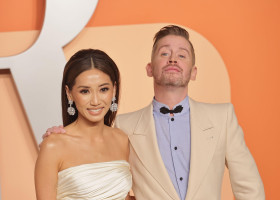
(70, 109)
(114, 105)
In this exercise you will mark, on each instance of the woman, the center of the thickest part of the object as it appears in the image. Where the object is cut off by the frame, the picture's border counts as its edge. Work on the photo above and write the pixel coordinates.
(90, 160)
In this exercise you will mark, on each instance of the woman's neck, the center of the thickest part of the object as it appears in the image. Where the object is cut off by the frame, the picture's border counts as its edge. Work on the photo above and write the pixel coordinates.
(87, 128)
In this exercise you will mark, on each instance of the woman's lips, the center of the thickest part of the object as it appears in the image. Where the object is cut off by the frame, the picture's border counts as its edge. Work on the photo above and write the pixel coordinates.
(95, 111)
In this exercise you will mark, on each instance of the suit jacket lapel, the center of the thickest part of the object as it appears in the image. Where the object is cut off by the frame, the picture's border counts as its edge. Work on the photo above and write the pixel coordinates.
(145, 144)
(203, 141)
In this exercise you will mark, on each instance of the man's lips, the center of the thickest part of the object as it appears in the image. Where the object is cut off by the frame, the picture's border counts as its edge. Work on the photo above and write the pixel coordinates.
(173, 68)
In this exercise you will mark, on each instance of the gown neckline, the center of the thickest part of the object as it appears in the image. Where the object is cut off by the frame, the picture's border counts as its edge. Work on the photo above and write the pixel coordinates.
(95, 163)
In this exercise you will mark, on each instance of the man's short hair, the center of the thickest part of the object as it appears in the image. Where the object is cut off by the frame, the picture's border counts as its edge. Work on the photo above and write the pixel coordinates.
(173, 30)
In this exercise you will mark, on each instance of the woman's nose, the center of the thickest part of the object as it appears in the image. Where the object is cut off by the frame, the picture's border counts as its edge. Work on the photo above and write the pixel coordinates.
(94, 99)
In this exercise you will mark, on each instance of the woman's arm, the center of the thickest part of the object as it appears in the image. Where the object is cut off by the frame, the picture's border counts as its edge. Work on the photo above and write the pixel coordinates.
(46, 169)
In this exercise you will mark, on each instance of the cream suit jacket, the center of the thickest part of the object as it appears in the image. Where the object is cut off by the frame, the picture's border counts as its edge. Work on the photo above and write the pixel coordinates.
(216, 140)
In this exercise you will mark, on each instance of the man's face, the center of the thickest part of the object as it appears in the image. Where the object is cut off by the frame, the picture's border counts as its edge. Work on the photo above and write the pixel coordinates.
(171, 63)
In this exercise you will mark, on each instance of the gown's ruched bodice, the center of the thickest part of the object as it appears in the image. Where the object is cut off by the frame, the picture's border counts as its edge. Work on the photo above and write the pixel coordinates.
(105, 180)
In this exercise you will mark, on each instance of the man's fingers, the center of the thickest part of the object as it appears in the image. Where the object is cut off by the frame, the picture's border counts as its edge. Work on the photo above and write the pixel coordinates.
(61, 129)
(54, 129)
(46, 135)
(58, 129)
(49, 130)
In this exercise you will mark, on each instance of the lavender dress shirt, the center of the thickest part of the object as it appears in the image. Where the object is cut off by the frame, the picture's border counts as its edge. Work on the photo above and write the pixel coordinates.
(174, 142)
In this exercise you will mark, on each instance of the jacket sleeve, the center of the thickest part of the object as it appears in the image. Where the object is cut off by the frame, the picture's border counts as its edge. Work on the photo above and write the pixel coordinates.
(244, 176)
(116, 123)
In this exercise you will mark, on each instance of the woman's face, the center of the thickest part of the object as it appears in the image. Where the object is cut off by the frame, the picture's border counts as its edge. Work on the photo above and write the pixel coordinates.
(92, 93)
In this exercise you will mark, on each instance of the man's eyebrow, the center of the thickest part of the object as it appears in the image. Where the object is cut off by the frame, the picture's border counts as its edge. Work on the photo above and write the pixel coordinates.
(167, 45)
(183, 48)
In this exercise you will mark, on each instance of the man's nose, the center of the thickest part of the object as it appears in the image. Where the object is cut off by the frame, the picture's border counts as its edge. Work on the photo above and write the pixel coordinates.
(172, 59)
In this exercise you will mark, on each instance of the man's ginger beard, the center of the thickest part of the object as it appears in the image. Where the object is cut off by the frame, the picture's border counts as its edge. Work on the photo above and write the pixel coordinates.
(174, 79)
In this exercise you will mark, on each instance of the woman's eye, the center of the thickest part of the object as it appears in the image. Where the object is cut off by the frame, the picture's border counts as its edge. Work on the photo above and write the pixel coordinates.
(104, 89)
(84, 91)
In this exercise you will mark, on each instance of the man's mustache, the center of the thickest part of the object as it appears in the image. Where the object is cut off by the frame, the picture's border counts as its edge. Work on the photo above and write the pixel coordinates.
(173, 65)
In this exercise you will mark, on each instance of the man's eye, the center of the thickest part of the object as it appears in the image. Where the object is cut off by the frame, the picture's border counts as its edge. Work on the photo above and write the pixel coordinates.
(182, 56)
(84, 91)
(104, 89)
(164, 54)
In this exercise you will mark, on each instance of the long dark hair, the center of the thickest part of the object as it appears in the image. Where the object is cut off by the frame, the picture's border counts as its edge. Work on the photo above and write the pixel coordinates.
(81, 61)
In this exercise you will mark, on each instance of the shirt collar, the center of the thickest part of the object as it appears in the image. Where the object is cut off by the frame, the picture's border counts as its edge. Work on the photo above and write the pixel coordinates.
(185, 103)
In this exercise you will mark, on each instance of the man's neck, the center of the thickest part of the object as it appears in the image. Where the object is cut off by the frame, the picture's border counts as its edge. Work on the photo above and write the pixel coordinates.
(169, 95)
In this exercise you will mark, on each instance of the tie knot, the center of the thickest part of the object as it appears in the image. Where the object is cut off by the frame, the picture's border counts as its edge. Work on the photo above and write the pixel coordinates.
(165, 110)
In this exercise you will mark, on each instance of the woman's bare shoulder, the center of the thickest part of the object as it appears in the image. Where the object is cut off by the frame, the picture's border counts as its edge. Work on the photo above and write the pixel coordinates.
(119, 133)
(54, 142)
(123, 142)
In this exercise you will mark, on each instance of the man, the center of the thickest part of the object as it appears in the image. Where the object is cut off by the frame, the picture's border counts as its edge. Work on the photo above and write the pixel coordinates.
(179, 147)
(181, 155)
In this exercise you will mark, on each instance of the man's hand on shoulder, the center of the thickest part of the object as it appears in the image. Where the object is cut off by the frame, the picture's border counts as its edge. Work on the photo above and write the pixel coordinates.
(54, 129)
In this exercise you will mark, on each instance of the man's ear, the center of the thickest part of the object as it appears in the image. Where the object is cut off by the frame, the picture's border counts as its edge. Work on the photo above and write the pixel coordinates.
(68, 93)
(193, 73)
(149, 70)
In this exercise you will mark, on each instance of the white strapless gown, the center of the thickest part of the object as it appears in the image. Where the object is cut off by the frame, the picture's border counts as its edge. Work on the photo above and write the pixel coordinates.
(105, 180)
